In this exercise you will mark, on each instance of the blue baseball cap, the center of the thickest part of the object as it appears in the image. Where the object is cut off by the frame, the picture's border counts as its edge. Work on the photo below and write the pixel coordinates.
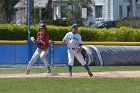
(74, 25)
(42, 25)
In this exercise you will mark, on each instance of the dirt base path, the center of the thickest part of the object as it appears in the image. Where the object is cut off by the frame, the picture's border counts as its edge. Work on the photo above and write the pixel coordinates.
(110, 74)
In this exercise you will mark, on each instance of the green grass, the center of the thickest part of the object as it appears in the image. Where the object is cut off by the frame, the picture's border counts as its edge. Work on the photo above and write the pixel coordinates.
(70, 85)
(59, 69)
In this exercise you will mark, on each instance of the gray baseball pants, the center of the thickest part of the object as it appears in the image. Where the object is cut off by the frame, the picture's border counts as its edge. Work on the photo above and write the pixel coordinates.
(39, 52)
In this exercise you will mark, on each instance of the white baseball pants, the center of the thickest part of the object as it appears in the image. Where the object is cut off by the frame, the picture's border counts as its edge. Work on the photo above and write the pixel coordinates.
(39, 52)
(79, 56)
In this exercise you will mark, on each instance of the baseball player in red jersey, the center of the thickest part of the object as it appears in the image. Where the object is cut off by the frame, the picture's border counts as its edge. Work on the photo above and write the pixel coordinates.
(42, 42)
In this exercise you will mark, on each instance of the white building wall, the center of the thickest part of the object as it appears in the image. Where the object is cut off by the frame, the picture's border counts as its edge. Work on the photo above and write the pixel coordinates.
(134, 7)
(98, 3)
(105, 10)
(125, 9)
(116, 4)
(108, 10)
(56, 11)
(111, 9)
(138, 9)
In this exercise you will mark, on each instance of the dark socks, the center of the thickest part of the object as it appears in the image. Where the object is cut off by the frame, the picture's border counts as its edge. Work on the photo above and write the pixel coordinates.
(70, 68)
(87, 67)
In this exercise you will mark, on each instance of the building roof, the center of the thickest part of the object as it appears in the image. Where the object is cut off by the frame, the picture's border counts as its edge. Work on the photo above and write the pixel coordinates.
(60, 0)
(21, 4)
(37, 4)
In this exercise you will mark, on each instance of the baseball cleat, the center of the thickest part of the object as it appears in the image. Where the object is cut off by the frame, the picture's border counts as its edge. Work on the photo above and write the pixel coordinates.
(70, 74)
(90, 74)
(49, 70)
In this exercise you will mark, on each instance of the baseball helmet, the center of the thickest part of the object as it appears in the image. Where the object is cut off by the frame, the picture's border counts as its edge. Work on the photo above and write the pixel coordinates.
(74, 25)
(42, 25)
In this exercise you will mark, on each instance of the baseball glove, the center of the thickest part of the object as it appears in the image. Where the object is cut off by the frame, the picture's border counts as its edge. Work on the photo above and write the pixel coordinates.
(79, 49)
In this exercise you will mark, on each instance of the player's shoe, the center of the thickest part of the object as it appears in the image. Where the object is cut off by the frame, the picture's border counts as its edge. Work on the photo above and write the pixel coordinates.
(27, 72)
(49, 70)
(70, 74)
(90, 74)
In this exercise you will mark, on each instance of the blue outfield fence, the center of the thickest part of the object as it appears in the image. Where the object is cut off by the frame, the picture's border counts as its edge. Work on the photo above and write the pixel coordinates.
(14, 53)
(18, 52)
(95, 53)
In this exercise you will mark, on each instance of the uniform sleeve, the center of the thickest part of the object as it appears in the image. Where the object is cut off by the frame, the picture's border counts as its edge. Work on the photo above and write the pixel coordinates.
(80, 41)
(65, 38)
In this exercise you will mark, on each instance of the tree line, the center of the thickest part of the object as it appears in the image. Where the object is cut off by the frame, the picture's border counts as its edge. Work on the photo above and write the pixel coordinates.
(7, 11)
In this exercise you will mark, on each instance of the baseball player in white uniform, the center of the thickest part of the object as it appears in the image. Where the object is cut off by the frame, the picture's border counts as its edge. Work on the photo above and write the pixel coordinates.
(74, 43)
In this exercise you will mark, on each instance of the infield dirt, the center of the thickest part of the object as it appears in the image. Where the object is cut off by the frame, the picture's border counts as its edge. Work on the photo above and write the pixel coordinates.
(109, 74)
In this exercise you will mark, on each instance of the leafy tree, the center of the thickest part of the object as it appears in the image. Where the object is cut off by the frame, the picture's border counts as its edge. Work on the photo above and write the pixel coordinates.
(32, 12)
(78, 6)
(7, 10)
(47, 15)
(2, 12)
(73, 15)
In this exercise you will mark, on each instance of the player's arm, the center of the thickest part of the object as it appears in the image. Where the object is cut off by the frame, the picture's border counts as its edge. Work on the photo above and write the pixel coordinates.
(39, 42)
(80, 41)
(79, 48)
(65, 39)
(36, 41)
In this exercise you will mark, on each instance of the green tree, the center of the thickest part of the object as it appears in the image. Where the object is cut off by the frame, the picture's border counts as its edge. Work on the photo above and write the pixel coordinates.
(47, 15)
(73, 15)
(7, 10)
(76, 14)
(33, 19)
(2, 12)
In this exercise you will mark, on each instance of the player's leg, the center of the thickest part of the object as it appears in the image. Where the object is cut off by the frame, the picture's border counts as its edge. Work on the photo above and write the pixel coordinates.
(70, 62)
(43, 58)
(33, 59)
(83, 62)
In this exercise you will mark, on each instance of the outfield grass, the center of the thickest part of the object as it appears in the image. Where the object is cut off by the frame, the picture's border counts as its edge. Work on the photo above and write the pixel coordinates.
(70, 85)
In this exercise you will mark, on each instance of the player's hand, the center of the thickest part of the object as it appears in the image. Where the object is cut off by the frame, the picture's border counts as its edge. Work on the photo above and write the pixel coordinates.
(65, 42)
(32, 39)
(79, 49)
(42, 42)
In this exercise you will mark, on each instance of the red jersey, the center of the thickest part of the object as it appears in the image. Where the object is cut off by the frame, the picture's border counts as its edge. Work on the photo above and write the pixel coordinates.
(45, 38)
